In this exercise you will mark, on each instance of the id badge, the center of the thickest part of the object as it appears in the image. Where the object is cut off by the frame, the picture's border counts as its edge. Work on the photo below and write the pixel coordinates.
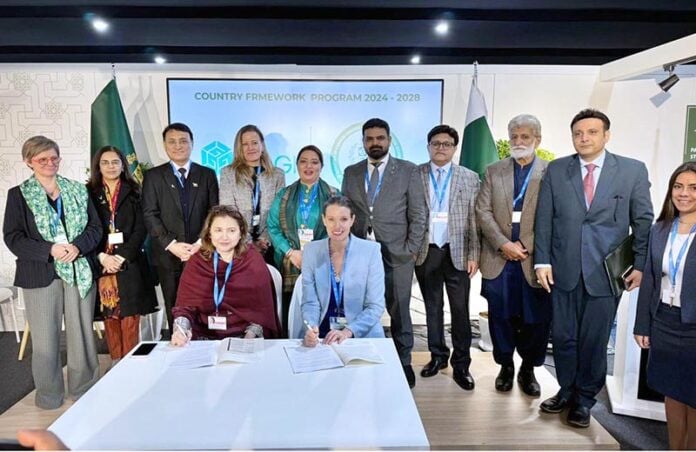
(115, 238)
(256, 220)
(516, 217)
(337, 323)
(439, 217)
(306, 236)
(61, 238)
(216, 322)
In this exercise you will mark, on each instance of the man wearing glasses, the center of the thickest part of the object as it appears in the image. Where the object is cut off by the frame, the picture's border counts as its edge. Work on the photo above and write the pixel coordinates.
(519, 310)
(449, 255)
(176, 198)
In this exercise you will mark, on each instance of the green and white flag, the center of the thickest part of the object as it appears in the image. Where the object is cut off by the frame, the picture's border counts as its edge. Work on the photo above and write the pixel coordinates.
(109, 127)
(478, 146)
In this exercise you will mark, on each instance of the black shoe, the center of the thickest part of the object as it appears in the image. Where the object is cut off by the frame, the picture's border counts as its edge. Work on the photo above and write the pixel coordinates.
(410, 376)
(503, 382)
(464, 379)
(433, 367)
(579, 416)
(554, 404)
(528, 382)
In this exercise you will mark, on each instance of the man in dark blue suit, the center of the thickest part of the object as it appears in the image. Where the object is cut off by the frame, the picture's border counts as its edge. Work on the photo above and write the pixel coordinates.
(588, 204)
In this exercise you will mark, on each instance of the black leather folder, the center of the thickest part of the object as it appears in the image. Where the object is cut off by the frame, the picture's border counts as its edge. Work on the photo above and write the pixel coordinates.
(618, 264)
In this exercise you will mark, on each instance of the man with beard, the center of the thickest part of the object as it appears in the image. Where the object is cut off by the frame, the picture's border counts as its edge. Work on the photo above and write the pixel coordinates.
(390, 208)
(519, 310)
(449, 255)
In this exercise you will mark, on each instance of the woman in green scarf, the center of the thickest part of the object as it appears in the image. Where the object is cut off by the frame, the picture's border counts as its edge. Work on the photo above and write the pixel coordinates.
(295, 219)
(53, 228)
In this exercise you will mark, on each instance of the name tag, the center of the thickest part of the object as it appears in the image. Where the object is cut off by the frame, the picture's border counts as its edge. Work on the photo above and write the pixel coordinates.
(516, 217)
(439, 217)
(337, 323)
(256, 220)
(115, 238)
(305, 235)
(216, 322)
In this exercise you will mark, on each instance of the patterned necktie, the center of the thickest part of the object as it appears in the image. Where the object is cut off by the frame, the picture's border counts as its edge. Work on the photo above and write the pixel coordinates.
(588, 183)
(374, 181)
(182, 177)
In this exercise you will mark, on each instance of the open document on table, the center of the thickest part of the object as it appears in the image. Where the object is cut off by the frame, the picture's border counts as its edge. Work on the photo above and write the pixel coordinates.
(310, 359)
(230, 350)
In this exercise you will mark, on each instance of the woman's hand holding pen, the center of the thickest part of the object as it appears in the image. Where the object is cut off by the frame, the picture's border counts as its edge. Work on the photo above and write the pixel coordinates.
(311, 337)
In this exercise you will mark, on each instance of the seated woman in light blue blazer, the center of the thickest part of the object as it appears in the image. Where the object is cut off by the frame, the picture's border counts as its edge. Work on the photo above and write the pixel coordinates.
(342, 281)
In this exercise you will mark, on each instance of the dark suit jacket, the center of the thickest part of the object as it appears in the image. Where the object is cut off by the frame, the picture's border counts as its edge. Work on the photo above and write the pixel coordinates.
(575, 241)
(399, 213)
(651, 285)
(135, 287)
(34, 261)
(164, 218)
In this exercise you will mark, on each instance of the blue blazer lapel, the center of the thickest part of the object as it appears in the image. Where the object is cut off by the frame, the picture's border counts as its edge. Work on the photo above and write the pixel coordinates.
(659, 244)
(575, 177)
(607, 178)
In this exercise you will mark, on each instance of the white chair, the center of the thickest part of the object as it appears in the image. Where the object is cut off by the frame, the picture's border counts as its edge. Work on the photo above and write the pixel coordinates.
(295, 313)
(278, 284)
(6, 295)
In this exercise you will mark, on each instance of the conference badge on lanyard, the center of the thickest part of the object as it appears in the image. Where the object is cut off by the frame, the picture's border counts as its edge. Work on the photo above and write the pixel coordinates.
(218, 322)
(339, 321)
(256, 198)
(306, 235)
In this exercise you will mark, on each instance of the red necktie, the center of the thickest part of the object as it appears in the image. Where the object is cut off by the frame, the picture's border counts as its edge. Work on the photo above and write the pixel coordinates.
(588, 183)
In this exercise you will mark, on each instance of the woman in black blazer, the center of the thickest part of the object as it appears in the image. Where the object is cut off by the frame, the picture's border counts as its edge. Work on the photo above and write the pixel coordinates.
(53, 229)
(125, 289)
(666, 314)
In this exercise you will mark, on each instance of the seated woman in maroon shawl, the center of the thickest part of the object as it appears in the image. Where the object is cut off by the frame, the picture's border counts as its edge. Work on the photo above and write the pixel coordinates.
(226, 289)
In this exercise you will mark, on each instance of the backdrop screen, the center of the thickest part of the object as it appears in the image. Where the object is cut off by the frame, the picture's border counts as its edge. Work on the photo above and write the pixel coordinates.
(294, 113)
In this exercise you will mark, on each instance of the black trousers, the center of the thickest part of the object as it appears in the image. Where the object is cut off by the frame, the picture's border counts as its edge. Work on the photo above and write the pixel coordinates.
(436, 271)
(397, 285)
(169, 282)
(581, 327)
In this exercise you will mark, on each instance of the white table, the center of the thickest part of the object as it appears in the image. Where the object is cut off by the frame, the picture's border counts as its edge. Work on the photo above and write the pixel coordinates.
(141, 404)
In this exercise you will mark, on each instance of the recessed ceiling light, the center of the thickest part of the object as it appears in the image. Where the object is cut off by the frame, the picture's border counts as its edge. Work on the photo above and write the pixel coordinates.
(442, 28)
(100, 25)
(415, 59)
(159, 59)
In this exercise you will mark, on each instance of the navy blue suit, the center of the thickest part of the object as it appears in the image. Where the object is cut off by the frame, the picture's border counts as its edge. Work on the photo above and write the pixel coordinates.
(575, 240)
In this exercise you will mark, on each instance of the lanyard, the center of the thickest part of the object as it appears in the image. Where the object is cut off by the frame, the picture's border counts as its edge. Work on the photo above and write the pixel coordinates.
(257, 191)
(113, 200)
(218, 294)
(523, 190)
(379, 184)
(440, 194)
(338, 285)
(674, 266)
(306, 207)
(55, 224)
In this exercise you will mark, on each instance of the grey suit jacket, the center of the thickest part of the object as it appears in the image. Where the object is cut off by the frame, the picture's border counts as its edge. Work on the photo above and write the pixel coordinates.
(651, 286)
(239, 195)
(461, 219)
(575, 240)
(494, 216)
(399, 214)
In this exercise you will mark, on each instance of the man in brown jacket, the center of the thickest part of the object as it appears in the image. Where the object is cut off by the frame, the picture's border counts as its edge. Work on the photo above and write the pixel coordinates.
(519, 311)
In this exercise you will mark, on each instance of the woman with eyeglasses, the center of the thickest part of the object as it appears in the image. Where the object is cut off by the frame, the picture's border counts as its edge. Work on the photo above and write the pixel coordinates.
(250, 184)
(53, 228)
(125, 289)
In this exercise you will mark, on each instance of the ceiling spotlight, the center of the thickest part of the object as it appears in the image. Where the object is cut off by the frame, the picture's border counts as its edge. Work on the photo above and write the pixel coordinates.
(415, 59)
(442, 28)
(670, 81)
(159, 59)
(100, 25)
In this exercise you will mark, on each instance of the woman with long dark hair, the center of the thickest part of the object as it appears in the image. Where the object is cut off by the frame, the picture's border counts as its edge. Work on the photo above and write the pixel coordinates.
(125, 289)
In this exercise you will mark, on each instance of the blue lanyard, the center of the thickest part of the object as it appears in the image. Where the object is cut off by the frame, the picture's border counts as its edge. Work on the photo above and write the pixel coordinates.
(306, 207)
(379, 184)
(55, 224)
(337, 286)
(218, 294)
(440, 194)
(257, 190)
(523, 190)
(674, 266)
